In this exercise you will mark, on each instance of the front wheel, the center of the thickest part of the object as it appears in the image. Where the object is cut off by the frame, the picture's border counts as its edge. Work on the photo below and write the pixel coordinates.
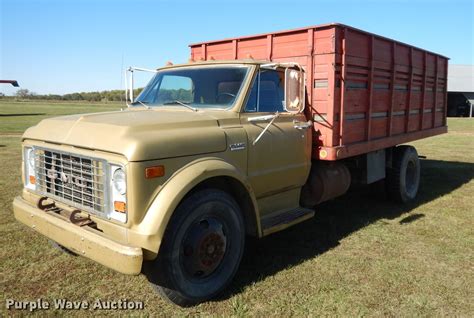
(403, 178)
(201, 250)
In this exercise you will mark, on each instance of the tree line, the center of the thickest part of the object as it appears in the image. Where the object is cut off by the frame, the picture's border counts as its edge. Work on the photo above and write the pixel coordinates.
(103, 96)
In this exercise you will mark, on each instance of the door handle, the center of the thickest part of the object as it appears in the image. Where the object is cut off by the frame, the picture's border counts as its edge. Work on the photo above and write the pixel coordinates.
(302, 125)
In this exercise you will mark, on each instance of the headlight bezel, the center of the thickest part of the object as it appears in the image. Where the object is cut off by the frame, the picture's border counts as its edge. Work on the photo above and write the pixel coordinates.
(31, 156)
(119, 181)
(116, 194)
(29, 170)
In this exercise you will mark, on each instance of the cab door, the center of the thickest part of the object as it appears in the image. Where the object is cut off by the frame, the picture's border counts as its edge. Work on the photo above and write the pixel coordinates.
(279, 153)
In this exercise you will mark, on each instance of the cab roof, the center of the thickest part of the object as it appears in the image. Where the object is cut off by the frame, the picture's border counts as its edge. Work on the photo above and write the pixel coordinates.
(214, 62)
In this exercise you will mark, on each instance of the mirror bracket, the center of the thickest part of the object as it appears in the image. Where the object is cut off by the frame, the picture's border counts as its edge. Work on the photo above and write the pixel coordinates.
(260, 118)
(129, 81)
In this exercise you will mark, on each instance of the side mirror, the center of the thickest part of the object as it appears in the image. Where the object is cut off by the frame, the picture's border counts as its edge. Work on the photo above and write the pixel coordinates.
(294, 91)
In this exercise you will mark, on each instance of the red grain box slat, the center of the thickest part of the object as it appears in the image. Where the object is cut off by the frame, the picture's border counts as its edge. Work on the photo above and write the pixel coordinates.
(365, 92)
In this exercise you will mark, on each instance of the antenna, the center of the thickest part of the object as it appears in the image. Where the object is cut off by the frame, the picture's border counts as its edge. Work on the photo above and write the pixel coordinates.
(121, 77)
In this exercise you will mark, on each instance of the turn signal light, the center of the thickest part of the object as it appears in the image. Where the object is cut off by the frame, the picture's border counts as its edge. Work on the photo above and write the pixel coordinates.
(32, 180)
(154, 172)
(120, 206)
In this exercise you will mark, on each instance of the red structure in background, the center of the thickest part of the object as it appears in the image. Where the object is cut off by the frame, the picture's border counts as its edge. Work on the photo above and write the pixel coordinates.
(14, 83)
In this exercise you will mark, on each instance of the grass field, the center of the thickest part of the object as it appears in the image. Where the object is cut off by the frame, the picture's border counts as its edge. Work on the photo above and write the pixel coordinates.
(361, 255)
(15, 117)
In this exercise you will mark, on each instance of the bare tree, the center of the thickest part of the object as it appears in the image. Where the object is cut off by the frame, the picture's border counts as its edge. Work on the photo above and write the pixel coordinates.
(23, 93)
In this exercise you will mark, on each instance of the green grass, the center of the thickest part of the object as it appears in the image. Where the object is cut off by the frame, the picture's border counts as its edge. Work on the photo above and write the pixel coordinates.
(15, 117)
(360, 255)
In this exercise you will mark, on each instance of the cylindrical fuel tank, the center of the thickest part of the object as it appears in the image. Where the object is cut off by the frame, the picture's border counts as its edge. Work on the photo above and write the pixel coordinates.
(326, 181)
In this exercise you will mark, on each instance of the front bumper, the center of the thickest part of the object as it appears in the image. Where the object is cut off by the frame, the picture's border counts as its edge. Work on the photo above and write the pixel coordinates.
(82, 240)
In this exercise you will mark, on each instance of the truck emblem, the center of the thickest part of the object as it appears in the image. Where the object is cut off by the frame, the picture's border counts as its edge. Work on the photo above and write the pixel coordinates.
(237, 146)
(51, 174)
(65, 178)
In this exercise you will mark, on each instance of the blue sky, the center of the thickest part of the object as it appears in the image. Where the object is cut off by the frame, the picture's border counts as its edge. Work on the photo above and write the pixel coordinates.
(53, 46)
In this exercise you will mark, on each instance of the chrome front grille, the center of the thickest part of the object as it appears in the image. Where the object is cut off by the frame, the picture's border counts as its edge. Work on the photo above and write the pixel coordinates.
(76, 180)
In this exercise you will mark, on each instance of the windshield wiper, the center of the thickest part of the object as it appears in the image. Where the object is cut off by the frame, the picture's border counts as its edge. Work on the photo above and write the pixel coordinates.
(182, 104)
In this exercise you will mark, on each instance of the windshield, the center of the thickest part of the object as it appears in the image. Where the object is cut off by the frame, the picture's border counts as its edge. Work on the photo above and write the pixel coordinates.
(197, 87)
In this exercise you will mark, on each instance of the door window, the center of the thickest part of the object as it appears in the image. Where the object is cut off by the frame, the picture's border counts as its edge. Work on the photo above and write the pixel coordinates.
(268, 92)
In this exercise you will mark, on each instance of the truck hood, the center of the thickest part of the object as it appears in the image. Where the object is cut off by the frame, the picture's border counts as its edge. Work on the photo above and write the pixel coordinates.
(136, 134)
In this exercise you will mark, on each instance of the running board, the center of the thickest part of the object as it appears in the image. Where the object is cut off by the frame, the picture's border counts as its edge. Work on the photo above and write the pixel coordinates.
(280, 221)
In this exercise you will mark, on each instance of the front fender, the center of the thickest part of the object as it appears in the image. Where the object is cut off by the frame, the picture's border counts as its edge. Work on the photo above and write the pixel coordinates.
(149, 232)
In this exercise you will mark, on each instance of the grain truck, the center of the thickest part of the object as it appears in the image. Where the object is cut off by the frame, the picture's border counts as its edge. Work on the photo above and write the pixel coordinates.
(246, 139)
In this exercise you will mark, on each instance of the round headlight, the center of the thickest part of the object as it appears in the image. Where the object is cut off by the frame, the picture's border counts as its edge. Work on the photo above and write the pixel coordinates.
(118, 180)
(31, 158)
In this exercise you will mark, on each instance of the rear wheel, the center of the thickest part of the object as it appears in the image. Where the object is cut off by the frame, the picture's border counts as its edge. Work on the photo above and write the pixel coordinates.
(403, 178)
(202, 248)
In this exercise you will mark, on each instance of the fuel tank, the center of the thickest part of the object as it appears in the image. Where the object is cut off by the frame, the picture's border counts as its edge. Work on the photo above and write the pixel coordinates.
(326, 181)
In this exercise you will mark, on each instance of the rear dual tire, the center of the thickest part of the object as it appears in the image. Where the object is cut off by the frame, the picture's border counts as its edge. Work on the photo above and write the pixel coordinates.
(403, 177)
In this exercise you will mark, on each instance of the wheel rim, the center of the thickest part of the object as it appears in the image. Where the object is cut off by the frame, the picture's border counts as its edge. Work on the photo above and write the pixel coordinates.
(411, 177)
(203, 247)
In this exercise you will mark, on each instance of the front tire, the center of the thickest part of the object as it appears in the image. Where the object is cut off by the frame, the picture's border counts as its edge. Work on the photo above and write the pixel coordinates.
(403, 178)
(202, 248)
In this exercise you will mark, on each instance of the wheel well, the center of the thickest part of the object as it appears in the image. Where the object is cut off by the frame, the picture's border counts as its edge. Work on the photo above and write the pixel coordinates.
(240, 194)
